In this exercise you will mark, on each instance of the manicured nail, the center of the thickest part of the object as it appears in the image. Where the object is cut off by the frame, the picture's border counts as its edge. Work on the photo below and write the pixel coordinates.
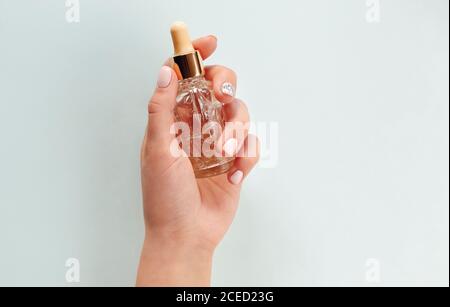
(165, 76)
(236, 178)
(230, 147)
(228, 89)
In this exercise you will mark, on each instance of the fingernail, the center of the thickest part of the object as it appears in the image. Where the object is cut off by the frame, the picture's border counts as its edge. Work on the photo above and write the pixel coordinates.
(230, 147)
(165, 76)
(228, 89)
(236, 178)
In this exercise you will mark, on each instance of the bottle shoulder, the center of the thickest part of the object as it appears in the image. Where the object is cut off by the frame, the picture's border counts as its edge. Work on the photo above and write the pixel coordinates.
(192, 84)
(196, 90)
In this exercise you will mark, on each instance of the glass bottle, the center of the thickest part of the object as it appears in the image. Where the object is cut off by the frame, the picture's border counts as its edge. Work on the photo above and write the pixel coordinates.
(197, 107)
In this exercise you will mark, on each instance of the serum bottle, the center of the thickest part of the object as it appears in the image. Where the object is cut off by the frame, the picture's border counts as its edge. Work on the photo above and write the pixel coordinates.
(197, 107)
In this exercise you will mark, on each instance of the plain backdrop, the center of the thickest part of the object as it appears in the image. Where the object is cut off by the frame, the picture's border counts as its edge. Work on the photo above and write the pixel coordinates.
(359, 195)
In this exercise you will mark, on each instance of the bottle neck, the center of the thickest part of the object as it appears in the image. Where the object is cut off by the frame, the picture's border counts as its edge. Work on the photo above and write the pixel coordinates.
(191, 80)
(188, 65)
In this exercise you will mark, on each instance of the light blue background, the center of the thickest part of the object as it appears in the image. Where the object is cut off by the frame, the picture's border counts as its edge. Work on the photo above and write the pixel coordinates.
(363, 157)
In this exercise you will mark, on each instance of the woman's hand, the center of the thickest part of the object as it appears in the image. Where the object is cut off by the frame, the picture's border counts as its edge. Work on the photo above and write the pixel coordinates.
(185, 217)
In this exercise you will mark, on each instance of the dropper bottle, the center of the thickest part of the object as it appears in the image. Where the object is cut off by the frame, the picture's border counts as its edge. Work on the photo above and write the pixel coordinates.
(198, 108)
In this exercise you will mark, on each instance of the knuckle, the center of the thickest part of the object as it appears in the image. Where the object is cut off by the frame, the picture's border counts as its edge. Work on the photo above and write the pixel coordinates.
(233, 74)
(154, 106)
(246, 113)
(226, 71)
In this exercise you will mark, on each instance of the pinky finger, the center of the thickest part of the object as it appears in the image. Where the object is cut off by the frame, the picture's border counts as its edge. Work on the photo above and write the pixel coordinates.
(245, 161)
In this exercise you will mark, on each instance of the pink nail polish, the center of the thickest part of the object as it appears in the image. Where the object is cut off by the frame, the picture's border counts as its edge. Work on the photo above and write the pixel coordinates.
(165, 76)
(236, 178)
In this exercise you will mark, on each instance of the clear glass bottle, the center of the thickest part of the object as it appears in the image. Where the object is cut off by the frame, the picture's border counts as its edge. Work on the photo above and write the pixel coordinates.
(197, 107)
(196, 102)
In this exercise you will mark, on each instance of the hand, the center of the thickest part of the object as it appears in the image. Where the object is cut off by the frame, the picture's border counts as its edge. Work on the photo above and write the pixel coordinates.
(185, 217)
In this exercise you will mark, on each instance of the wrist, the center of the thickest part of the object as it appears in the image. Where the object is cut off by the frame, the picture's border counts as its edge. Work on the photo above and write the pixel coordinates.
(169, 261)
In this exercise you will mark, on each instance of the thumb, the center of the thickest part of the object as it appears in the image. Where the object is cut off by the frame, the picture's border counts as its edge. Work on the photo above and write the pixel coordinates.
(160, 108)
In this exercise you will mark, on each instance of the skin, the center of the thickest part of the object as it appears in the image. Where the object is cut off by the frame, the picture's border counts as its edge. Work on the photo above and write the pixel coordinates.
(186, 218)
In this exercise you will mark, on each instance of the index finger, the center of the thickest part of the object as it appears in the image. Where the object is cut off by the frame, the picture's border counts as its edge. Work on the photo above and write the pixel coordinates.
(205, 45)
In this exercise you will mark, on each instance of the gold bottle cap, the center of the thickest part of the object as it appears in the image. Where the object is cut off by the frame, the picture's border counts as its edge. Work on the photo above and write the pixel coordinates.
(187, 61)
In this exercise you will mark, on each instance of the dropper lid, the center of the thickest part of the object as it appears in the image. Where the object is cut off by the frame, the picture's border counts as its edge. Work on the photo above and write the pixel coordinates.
(188, 62)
